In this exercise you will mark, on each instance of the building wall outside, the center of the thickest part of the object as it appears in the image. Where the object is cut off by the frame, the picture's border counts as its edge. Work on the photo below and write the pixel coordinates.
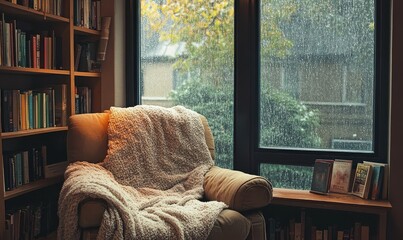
(158, 79)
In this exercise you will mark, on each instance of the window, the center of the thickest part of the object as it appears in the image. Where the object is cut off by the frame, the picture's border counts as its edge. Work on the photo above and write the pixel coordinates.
(282, 82)
(319, 85)
(187, 58)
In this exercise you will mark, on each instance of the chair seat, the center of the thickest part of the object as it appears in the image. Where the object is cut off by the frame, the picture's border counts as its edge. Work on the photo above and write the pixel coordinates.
(230, 224)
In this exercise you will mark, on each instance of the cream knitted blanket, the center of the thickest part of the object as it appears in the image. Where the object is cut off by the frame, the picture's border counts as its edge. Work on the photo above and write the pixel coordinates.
(151, 178)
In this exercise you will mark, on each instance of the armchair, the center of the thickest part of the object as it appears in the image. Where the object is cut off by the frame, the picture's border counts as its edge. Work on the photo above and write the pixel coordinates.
(87, 140)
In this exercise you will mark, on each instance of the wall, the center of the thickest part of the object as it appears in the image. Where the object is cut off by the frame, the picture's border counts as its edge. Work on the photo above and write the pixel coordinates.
(113, 68)
(396, 131)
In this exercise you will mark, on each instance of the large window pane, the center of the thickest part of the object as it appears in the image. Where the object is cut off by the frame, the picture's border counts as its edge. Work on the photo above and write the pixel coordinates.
(317, 78)
(317, 75)
(187, 58)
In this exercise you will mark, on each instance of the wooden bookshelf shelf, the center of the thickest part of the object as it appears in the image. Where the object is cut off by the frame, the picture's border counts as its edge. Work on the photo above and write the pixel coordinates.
(56, 93)
(86, 31)
(24, 133)
(29, 13)
(32, 187)
(336, 202)
(21, 70)
(87, 74)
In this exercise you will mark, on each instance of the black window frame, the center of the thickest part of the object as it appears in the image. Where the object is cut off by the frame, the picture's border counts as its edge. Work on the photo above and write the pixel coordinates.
(247, 154)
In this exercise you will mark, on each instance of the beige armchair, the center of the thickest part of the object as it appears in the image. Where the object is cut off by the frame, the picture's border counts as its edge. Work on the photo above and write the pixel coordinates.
(243, 193)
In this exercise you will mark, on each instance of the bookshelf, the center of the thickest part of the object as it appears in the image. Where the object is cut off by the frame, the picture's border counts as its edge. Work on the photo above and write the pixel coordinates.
(330, 209)
(58, 24)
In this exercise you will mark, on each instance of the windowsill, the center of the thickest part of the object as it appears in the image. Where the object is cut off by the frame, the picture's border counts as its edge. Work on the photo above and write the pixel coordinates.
(334, 201)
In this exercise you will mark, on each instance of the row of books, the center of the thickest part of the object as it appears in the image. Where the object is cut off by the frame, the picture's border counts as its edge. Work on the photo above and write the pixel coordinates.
(31, 221)
(23, 167)
(48, 6)
(83, 100)
(85, 55)
(308, 225)
(369, 180)
(32, 109)
(87, 13)
(33, 50)
(297, 230)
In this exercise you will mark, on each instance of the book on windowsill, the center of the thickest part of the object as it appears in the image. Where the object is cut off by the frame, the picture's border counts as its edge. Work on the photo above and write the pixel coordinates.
(362, 180)
(341, 174)
(322, 173)
(379, 186)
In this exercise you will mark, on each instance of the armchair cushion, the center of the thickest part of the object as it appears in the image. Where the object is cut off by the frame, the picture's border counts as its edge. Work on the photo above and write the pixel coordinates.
(240, 191)
(87, 138)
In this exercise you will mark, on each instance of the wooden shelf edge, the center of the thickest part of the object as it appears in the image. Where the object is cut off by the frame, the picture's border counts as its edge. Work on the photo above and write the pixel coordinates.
(24, 133)
(86, 31)
(87, 74)
(30, 12)
(32, 187)
(33, 70)
(305, 198)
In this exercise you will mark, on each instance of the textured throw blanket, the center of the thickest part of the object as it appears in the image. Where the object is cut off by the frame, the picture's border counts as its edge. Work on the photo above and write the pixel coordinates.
(151, 178)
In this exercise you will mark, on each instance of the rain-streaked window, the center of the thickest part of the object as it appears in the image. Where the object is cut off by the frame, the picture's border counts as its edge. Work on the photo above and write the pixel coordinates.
(317, 63)
(187, 58)
(316, 88)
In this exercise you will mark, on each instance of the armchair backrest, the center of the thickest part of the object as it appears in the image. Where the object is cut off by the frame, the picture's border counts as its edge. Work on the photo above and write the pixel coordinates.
(87, 138)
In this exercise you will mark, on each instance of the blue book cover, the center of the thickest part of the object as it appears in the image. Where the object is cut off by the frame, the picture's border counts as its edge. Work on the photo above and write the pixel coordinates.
(377, 181)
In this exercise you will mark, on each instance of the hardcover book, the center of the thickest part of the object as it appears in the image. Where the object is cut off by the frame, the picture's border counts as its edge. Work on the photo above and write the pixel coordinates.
(362, 180)
(321, 176)
(60, 104)
(341, 175)
(382, 181)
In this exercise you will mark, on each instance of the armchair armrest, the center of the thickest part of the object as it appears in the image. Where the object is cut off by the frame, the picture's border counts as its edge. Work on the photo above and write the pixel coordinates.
(240, 191)
(91, 212)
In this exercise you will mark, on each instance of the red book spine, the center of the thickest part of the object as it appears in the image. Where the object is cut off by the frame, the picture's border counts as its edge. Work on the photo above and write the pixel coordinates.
(33, 42)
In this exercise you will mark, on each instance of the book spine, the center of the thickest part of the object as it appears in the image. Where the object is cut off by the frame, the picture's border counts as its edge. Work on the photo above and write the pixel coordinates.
(13, 181)
(19, 169)
(25, 161)
(38, 50)
(104, 39)
(29, 53)
(1, 43)
(5, 111)
(34, 63)
(6, 165)
(30, 110)
(7, 49)
(16, 112)
(12, 43)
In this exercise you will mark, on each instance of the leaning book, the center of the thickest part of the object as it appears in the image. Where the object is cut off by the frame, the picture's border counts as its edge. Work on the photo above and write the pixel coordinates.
(362, 180)
(341, 175)
(379, 185)
(321, 176)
